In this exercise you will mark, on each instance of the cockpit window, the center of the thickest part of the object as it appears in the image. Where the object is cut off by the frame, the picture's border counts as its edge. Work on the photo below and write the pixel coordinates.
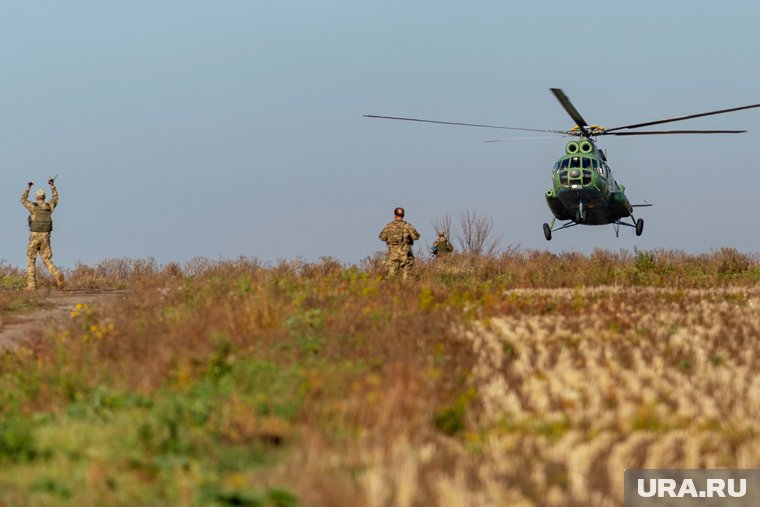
(594, 163)
(564, 163)
(575, 162)
(586, 162)
(556, 166)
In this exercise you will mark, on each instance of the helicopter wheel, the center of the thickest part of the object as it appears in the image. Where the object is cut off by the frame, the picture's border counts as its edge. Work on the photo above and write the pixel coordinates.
(547, 232)
(639, 227)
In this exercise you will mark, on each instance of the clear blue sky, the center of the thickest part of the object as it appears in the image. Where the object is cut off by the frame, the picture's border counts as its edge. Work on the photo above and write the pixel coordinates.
(225, 128)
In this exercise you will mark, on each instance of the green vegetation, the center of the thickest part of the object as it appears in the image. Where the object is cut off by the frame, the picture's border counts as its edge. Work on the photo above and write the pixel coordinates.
(319, 384)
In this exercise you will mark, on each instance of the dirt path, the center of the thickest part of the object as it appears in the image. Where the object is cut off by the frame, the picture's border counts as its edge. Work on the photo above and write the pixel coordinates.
(17, 328)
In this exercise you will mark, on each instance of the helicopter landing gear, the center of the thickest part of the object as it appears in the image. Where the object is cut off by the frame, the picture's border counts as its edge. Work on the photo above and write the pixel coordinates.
(549, 228)
(639, 226)
(547, 232)
(580, 215)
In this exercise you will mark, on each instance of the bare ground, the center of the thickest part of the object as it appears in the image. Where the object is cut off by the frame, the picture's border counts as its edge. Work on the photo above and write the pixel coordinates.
(16, 328)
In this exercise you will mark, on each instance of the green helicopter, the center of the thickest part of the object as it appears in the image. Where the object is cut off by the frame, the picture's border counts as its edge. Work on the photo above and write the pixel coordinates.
(585, 191)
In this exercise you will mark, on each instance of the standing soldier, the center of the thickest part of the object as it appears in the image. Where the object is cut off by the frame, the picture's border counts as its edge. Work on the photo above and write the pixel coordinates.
(442, 246)
(40, 226)
(400, 236)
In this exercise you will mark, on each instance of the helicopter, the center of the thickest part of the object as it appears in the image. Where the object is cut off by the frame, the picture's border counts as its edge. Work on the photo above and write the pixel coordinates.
(584, 190)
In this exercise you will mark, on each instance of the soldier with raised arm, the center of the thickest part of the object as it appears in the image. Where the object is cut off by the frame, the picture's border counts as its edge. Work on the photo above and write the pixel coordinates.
(40, 227)
(399, 235)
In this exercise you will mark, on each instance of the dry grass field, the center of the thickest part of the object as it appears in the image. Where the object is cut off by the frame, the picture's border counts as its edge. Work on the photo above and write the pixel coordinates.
(528, 378)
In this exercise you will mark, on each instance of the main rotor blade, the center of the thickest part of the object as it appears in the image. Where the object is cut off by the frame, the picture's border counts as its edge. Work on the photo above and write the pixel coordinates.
(680, 118)
(658, 132)
(511, 139)
(464, 124)
(574, 114)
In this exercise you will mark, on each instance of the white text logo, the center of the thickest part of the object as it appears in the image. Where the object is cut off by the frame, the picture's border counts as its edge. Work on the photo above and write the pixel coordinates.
(687, 489)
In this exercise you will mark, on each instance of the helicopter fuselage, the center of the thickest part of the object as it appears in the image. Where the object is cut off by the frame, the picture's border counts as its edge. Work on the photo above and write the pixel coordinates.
(584, 189)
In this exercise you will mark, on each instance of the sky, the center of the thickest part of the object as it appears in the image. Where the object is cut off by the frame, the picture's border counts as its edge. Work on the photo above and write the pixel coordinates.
(219, 129)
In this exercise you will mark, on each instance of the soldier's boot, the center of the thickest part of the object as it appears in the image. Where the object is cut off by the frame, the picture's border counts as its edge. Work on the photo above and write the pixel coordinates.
(59, 281)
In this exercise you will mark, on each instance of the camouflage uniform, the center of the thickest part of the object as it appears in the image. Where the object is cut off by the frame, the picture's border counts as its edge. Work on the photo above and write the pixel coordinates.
(400, 236)
(442, 246)
(39, 238)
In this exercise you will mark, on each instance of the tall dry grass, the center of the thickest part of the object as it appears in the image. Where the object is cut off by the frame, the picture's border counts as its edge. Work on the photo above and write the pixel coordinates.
(529, 378)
